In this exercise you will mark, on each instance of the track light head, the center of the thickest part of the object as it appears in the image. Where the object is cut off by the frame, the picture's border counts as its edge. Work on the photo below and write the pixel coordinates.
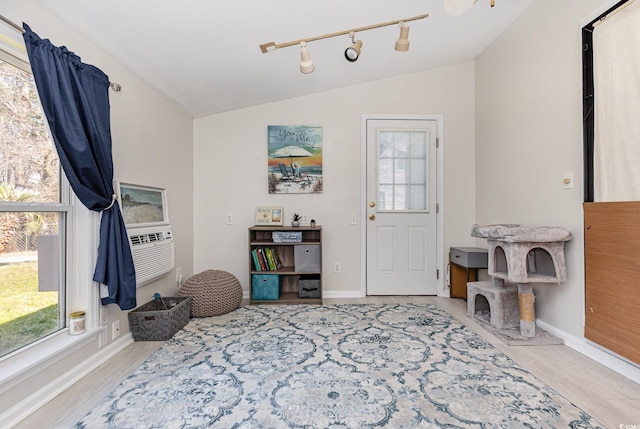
(352, 53)
(402, 44)
(306, 63)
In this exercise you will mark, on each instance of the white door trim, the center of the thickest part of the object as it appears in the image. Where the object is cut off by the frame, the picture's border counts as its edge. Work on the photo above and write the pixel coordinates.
(440, 262)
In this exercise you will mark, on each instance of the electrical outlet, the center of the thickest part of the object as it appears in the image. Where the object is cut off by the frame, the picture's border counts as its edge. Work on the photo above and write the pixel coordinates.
(229, 219)
(337, 267)
(304, 219)
(104, 315)
(179, 276)
(115, 329)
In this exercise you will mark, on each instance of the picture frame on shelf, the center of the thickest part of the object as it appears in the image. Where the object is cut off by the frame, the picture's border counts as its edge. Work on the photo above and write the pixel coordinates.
(269, 216)
(141, 205)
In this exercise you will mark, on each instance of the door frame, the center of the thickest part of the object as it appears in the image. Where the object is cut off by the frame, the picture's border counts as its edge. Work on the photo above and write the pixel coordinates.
(440, 263)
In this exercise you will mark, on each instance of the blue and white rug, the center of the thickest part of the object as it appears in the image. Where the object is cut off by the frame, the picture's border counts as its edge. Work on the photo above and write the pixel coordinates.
(335, 366)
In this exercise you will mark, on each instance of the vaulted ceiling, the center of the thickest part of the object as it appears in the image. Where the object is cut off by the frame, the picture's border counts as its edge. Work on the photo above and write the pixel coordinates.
(205, 55)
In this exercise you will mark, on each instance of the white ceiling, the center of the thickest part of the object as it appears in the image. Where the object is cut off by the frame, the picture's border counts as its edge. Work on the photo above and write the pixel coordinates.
(205, 56)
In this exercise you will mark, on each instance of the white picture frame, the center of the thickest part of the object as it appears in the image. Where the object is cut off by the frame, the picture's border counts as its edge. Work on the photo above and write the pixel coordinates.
(269, 216)
(141, 205)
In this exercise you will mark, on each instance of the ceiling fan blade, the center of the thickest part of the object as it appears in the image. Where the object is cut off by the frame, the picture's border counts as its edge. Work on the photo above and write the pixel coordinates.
(458, 7)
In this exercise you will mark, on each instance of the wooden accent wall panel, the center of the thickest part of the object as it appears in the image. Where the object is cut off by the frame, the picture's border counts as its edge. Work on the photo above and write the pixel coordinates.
(612, 276)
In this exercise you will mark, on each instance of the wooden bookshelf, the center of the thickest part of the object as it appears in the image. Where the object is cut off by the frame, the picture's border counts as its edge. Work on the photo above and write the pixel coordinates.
(299, 272)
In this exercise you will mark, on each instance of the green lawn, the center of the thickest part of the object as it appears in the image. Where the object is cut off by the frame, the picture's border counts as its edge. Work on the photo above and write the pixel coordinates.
(25, 314)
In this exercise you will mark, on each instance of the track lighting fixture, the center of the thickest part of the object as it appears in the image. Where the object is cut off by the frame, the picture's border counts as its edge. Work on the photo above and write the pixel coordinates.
(352, 52)
(402, 44)
(306, 63)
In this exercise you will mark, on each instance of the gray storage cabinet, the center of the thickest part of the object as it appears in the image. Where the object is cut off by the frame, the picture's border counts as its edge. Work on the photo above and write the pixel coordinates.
(465, 263)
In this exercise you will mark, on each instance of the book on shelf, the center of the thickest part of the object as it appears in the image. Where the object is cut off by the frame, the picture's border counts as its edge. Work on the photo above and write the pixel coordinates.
(266, 259)
(276, 257)
(256, 262)
(270, 260)
(261, 258)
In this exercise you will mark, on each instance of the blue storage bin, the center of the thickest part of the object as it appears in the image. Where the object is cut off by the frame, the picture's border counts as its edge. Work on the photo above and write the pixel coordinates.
(265, 286)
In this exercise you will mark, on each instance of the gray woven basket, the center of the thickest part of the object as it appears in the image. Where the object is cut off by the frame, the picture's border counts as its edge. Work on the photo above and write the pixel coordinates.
(152, 322)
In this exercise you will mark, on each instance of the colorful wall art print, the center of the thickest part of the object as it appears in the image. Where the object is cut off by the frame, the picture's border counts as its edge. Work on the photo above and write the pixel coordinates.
(294, 159)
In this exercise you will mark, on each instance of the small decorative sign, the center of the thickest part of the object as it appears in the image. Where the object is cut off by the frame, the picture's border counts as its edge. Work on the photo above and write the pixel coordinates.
(269, 215)
(287, 236)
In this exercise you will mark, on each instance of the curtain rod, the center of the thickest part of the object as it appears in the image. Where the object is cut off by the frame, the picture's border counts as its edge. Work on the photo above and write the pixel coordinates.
(116, 87)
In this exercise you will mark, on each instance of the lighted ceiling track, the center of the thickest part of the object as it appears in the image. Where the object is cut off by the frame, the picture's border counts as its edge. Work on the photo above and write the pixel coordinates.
(272, 46)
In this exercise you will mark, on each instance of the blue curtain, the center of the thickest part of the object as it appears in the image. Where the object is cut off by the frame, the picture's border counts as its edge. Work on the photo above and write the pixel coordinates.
(75, 100)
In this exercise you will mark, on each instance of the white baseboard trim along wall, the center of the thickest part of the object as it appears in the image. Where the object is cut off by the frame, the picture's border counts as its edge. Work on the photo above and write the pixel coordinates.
(45, 394)
(591, 350)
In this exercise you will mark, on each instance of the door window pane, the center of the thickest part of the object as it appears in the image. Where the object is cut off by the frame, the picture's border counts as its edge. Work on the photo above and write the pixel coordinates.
(402, 170)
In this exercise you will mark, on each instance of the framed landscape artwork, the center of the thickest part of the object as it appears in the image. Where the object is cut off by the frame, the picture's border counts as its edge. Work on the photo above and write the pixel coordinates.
(142, 205)
(294, 159)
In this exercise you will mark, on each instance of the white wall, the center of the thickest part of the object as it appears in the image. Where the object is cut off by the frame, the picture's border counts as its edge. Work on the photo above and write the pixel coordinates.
(529, 134)
(230, 168)
(152, 145)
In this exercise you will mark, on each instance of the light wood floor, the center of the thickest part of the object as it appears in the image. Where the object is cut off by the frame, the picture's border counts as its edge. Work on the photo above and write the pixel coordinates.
(607, 396)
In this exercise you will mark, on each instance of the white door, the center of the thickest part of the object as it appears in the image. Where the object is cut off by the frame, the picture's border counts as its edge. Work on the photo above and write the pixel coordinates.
(401, 255)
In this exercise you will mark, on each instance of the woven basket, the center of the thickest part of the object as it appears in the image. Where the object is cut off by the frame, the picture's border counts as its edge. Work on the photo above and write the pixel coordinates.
(214, 292)
(159, 320)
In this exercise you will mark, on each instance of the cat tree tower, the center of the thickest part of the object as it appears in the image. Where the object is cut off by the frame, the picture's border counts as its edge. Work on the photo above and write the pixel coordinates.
(521, 255)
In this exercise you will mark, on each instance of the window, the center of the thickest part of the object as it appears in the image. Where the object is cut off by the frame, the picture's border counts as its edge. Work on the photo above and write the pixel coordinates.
(47, 240)
(33, 218)
(402, 170)
(610, 104)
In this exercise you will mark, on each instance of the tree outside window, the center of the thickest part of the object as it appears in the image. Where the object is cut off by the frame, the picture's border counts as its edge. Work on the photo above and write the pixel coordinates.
(32, 217)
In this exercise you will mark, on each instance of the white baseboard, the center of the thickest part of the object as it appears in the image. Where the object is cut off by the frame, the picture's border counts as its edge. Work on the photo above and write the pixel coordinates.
(339, 294)
(348, 294)
(591, 350)
(45, 394)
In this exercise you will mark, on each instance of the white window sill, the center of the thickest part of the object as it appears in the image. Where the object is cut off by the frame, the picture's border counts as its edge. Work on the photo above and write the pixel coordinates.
(38, 356)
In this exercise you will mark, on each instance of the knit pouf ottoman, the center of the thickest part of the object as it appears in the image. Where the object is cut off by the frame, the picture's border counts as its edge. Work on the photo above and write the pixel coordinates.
(212, 292)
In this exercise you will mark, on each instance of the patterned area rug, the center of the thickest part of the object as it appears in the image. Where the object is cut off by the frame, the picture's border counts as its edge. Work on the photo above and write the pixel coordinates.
(335, 366)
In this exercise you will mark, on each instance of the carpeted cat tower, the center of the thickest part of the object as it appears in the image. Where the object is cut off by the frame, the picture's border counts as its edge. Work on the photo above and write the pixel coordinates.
(521, 256)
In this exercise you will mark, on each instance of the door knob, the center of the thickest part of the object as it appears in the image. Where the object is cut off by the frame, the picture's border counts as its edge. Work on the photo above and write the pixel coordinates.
(372, 203)
(372, 216)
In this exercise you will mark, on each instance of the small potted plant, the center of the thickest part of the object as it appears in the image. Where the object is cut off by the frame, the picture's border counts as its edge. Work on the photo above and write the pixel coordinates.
(295, 219)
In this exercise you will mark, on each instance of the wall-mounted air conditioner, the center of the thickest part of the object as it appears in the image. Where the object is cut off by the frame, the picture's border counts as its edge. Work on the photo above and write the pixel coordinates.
(153, 252)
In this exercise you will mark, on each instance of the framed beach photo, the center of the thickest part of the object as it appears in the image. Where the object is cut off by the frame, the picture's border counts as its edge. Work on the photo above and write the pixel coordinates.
(142, 205)
(269, 216)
